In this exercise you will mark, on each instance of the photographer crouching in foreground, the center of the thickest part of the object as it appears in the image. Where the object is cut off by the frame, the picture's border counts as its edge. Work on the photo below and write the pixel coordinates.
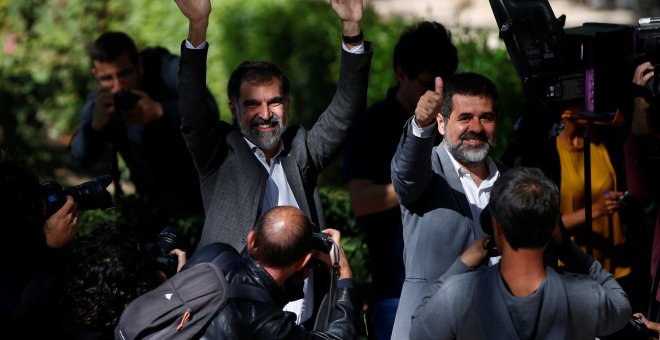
(34, 238)
(279, 250)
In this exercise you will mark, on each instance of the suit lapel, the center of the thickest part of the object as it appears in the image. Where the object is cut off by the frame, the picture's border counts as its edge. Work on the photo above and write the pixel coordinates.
(295, 182)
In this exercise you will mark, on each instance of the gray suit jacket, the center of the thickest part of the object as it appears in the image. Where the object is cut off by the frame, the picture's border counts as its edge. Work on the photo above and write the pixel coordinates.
(437, 221)
(473, 306)
(232, 179)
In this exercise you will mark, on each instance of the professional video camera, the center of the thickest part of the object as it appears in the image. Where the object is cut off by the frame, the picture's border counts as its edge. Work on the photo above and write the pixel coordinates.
(580, 67)
(159, 251)
(88, 195)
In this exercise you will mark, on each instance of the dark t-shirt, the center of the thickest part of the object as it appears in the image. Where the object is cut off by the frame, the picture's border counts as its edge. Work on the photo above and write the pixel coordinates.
(368, 155)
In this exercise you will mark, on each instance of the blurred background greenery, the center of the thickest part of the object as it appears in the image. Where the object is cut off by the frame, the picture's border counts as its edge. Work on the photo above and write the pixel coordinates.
(45, 76)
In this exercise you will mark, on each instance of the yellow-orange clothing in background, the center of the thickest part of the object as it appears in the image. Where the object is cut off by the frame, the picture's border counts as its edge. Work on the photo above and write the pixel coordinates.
(607, 231)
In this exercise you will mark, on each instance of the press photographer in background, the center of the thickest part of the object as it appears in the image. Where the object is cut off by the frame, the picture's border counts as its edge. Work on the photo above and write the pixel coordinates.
(34, 243)
(643, 159)
(134, 107)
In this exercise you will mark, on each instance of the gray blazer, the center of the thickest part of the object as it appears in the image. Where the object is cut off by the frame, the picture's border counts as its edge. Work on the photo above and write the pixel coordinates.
(232, 179)
(437, 222)
(473, 306)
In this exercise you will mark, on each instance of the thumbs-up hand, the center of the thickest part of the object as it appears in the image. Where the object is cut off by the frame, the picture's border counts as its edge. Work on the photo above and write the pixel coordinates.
(429, 105)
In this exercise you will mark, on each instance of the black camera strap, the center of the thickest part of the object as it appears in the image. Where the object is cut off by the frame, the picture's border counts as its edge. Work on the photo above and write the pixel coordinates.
(114, 172)
(328, 303)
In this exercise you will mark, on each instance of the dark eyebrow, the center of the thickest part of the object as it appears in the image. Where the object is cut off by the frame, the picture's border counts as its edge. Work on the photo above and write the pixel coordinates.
(250, 101)
(276, 100)
(488, 115)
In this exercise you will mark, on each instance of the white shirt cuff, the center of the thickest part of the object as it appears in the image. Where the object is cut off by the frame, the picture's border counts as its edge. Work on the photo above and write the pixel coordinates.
(190, 45)
(359, 49)
(423, 132)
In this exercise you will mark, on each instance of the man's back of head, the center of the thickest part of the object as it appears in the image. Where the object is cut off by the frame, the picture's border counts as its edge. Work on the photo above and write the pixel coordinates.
(282, 237)
(526, 205)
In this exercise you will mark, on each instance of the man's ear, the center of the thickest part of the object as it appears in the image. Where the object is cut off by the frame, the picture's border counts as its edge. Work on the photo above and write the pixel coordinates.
(234, 114)
(140, 66)
(497, 230)
(401, 76)
(250, 241)
(303, 261)
(441, 123)
(498, 236)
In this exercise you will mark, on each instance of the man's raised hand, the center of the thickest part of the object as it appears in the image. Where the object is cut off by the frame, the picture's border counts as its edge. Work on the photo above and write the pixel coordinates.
(347, 10)
(197, 12)
(429, 105)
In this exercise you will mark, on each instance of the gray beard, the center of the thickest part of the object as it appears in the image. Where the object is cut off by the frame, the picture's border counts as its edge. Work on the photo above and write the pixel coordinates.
(264, 140)
(468, 156)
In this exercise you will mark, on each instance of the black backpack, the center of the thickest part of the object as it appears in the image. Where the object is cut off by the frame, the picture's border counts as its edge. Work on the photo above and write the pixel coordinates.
(183, 306)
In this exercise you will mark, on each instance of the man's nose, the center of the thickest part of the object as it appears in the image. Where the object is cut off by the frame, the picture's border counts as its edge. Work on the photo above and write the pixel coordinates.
(117, 85)
(476, 125)
(264, 111)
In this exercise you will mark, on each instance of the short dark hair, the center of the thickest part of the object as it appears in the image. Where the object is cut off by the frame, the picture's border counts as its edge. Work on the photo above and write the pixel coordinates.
(526, 205)
(111, 45)
(107, 270)
(256, 72)
(426, 46)
(469, 84)
(283, 236)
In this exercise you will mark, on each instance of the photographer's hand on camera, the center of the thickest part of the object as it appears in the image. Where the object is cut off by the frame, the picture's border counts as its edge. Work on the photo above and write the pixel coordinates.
(653, 326)
(344, 268)
(429, 104)
(641, 124)
(104, 106)
(62, 226)
(476, 253)
(145, 111)
(181, 258)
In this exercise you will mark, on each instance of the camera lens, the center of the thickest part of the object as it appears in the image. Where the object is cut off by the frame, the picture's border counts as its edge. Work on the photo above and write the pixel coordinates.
(167, 240)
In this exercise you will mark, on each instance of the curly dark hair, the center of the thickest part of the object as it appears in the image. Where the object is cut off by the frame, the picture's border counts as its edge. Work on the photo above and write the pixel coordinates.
(108, 271)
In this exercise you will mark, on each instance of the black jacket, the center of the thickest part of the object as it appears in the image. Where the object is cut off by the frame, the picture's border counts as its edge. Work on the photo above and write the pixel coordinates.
(249, 319)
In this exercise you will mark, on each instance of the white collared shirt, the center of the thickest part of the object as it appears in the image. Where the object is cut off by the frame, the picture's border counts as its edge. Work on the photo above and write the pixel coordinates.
(477, 196)
(279, 193)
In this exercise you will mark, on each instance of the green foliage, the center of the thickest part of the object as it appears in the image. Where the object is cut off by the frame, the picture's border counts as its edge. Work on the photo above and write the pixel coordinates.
(303, 38)
(338, 215)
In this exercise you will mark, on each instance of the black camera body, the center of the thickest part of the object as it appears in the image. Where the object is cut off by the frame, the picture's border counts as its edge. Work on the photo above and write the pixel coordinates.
(125, 100)
(322, 242)
(89, 195)
(638, 325)
(159, 251)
